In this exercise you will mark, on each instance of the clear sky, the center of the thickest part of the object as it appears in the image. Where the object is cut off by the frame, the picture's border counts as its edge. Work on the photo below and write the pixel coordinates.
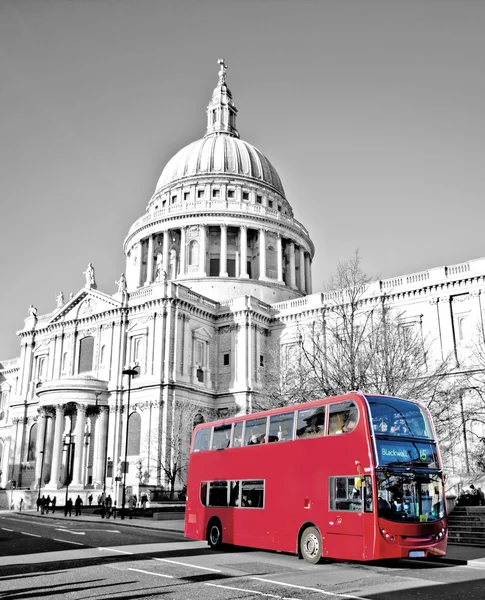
(372, 112)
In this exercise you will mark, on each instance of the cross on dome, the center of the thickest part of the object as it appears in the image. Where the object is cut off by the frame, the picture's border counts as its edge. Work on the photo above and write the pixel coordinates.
(222, 71)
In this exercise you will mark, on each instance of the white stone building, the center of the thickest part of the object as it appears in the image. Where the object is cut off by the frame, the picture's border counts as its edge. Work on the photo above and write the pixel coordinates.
(216, 268)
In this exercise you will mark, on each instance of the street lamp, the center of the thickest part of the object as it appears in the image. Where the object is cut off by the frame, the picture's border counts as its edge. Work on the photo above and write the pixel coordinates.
(131, 373)
(68, 461)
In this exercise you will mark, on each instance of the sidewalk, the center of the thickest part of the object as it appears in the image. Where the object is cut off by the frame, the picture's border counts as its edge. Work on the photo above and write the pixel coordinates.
(456, 554)
(166, 523)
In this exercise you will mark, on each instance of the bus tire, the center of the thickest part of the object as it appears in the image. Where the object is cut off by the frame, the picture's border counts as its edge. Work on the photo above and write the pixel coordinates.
(311, 545)
(214, 534)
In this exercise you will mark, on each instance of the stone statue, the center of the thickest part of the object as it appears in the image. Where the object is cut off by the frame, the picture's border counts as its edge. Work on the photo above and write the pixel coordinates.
(160, 273)
(32, 311)
(222, 71)
(121, 283)
(89, 272)
(60, 300)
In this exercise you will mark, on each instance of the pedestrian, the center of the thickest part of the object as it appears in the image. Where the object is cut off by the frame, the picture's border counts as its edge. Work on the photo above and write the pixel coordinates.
(47, 503)
(132, 504)
(100, 499)
(68, 507)
(144, 500)
(53, 504)
(103, 509)
(109, 503)
(21, 504)
(42, 505)
(90, 499)
(38, 502)
(77, 505)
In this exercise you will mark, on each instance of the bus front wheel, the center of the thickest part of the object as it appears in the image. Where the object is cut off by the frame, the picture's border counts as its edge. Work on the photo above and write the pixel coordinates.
(214, 534)
(311, 545)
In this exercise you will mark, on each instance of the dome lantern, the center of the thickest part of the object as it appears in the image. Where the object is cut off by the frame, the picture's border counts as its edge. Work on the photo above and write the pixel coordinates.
(221, 112)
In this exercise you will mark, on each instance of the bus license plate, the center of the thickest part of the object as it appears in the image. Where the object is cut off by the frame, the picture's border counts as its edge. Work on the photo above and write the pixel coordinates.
(417, 554)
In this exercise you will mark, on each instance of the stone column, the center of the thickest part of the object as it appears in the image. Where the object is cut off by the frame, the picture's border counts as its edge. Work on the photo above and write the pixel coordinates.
(77, 475)
(203, 249)
(101, 437)
(308, 274)
(150, 261)
(243, 271)
(57, 447)
(262, 254)
(292, 265)
(46, 474)
(183, 235)
(40, 447)
(223, 256)
(279, 255)
(302, 270)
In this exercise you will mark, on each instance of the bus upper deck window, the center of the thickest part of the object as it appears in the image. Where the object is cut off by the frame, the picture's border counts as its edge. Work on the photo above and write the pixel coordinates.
(281, 427)
(343, 418)
(202, 439)
(237, 434)
(311, 422)
(255, 431)
(221, 437)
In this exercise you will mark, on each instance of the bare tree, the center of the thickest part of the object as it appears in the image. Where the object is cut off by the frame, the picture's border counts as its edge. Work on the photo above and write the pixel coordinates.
(168, 449)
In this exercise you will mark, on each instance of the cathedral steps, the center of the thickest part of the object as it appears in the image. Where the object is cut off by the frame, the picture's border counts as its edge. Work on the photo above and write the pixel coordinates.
(466, 526)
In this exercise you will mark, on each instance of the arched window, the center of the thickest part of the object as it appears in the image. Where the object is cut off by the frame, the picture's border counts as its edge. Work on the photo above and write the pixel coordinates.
(194, 253)
(86, 347)
(134, 432)
(32, 442)
(102, 356)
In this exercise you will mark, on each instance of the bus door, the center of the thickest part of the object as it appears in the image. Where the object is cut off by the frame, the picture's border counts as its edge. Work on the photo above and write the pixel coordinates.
(350, 528)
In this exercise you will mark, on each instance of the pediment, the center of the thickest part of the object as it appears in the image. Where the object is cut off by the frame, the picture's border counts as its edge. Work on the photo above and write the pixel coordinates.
(85, 303)
(202, 333)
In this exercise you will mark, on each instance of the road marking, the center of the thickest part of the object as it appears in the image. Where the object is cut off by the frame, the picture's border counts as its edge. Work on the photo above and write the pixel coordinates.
(474, 566)
(301, 587)
(31, 534)
(151, 573)
(115, 550)
(5, 529)
(70, 531)
(67, 542)
(228, 587)
(176, 562)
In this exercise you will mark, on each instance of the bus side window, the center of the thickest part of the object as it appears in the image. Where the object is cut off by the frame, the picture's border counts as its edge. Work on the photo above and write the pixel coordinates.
(343, 418)
(255, 431)
(281, 427)
(237, 434)
(203, 493)
(234, 499)
(348, 493)
(252, 495)
(311, 422)
(218, 493)
(202, 439)
(221, 437)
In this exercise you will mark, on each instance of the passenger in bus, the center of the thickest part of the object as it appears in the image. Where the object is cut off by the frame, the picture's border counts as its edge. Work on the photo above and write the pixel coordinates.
(351, 422)
(399, 426)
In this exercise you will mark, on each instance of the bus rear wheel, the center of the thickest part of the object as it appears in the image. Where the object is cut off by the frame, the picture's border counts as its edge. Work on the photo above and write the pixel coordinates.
(214, 534)
(311, 545)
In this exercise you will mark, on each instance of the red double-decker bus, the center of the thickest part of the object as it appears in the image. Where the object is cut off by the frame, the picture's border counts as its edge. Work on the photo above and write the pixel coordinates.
(355, 477)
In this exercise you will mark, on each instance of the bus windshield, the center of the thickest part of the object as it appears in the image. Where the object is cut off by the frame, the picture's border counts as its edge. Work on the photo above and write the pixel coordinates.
(400, 418)
(410, 497)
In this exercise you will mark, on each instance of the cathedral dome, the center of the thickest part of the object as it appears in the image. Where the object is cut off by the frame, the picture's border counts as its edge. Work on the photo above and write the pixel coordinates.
(220, 154)
(219, 222)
